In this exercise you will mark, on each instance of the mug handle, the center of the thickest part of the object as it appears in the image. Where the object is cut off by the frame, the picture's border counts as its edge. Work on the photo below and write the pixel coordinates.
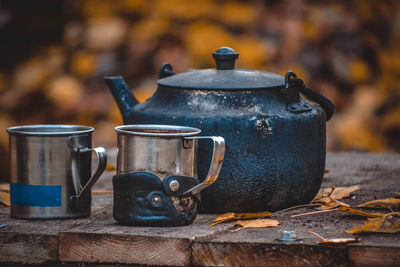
(216, 163)
(102, 162)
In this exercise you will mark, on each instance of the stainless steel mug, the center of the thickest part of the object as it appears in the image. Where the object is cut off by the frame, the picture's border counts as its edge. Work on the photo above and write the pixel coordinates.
(51, 171)
(167, 156)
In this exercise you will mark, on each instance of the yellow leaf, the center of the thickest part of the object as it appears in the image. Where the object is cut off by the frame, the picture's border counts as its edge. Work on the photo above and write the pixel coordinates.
(185, 10)
(334, 241)
(84, 64)
(359, 71)
(359, 212)
(329, 203)
(338, 241)
(95, 8)
(110, 167)
(5, 198)
(238, 14)
(344, 192)
(230, 216)
(391, 119)
(337, 193)
(253, 52)
(328, 197)
(151, 29)
(134, 6)
(5, 187)
(389, 223)
(259, 223)
(215, 35)
(388, 203)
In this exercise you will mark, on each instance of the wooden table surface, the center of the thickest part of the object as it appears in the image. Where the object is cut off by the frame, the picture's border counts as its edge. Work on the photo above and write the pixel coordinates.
(99, 239)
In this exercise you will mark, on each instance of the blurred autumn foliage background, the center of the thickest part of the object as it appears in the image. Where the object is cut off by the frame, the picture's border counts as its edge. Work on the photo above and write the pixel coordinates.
(53, 55)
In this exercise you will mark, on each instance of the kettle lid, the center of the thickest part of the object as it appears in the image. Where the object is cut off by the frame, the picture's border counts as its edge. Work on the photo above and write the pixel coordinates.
(224, 77)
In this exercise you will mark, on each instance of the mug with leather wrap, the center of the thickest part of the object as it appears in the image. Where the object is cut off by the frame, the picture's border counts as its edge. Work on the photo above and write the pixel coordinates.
(156, 182)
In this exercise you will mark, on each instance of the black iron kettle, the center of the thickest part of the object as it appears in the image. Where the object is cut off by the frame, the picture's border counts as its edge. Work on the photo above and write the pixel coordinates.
(275, 138)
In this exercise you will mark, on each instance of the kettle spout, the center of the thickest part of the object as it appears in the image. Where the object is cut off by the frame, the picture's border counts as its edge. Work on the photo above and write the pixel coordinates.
(123, 95)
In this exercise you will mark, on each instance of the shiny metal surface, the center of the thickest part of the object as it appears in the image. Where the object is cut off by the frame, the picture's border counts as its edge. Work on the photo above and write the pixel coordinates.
(57, 155)
(156, 130)
(166, 150)
(215, 165)
(174, 186)
(156, 148)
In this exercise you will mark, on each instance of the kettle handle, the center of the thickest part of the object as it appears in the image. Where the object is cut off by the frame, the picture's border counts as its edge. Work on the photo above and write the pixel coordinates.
(291, 81)
(216, 162)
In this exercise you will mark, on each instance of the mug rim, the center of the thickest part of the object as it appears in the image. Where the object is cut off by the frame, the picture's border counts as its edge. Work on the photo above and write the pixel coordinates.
(169, 130)
(49, 129)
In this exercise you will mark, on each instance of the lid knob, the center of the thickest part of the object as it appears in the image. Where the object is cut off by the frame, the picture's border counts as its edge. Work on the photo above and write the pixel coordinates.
(225, 58)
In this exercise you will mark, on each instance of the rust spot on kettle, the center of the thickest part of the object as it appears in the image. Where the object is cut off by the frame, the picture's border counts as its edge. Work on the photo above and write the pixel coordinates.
(263, 127)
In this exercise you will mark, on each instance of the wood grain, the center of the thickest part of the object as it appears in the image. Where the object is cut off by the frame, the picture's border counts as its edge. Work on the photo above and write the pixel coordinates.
(100, 240)
(83, 247)
(253, 254)
(28, 248)
(374, 256)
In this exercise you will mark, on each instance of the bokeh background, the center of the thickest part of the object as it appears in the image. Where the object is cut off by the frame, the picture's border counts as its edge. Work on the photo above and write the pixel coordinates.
(53, 55)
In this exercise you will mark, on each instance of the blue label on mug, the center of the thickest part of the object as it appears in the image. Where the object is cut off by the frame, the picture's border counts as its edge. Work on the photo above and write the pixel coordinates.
(35, 195)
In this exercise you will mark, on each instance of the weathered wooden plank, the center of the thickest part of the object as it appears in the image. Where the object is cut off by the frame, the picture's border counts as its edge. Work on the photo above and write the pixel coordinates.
(374, 256)
(99, 239)
(27, 241)
(376, 250)
(104, 241)
(28, 248)
(378, 175)
(108, 248)
(36, 241)
(261, 247)
(256, 254)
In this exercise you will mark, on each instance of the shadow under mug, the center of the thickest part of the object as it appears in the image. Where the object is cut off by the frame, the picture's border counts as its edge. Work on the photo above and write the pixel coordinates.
(51, 171)
(156, 181)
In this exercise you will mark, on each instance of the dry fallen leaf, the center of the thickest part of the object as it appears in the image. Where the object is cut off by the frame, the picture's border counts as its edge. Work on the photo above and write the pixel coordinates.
(328, 197)
(329, 203)
(110, 167)
(389, 223)
(359, 212)
(334, 241)
(5, 198)
(258, 223)
(388, 203)
(230, 216)
(5, 187)
(336, 192)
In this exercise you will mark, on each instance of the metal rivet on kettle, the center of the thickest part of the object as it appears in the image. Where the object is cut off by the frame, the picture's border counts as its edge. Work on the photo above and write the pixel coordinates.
(174, 185)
